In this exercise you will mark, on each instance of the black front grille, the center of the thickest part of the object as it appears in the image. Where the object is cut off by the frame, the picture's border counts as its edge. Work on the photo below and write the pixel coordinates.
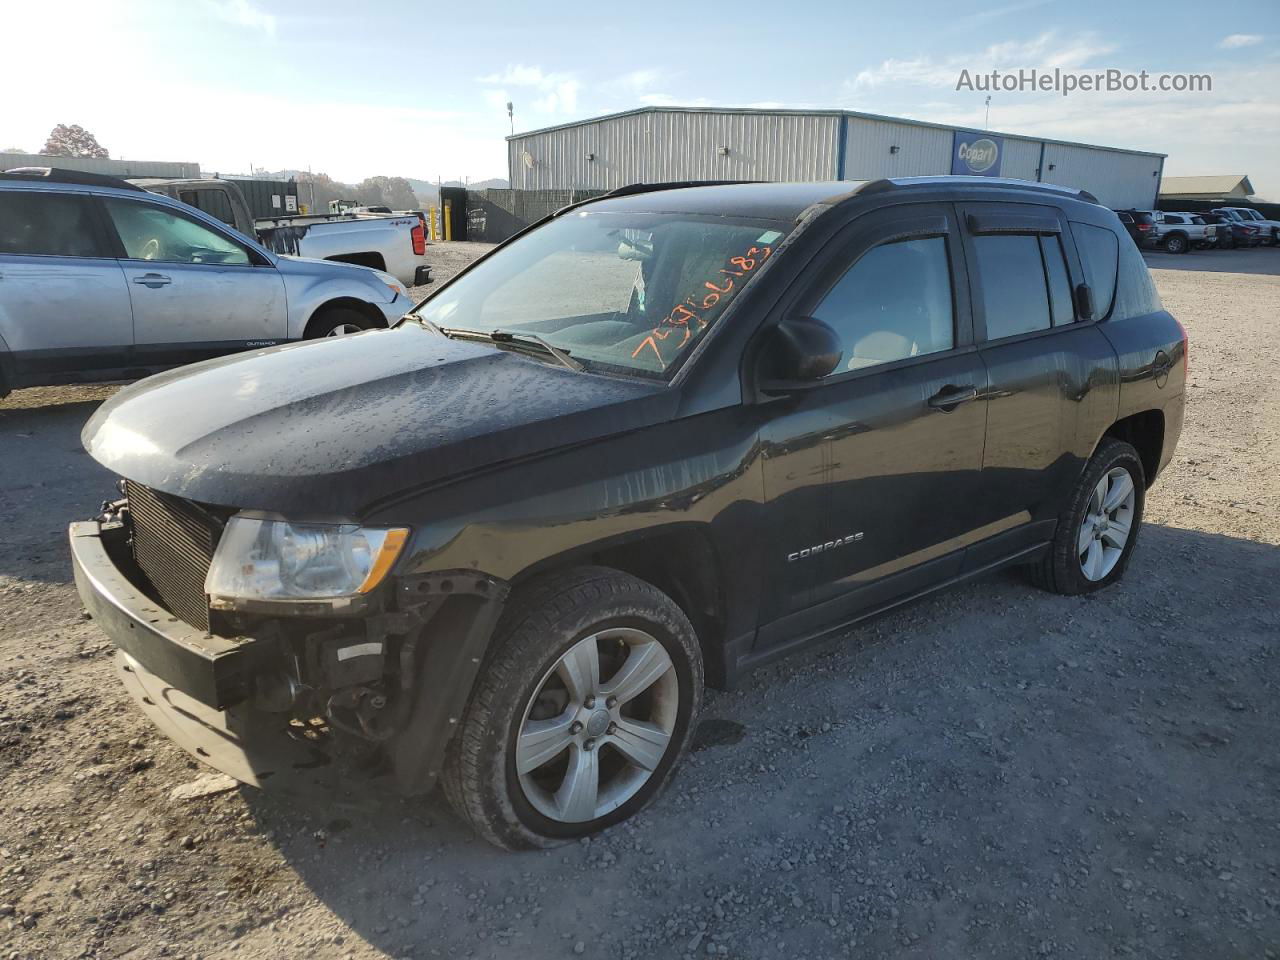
(173, 543)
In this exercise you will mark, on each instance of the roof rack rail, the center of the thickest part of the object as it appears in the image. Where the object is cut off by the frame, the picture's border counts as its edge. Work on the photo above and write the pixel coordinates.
(62, 175)
(898, 183)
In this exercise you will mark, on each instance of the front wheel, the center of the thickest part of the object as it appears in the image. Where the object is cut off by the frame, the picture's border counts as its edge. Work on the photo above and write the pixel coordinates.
(1099, 527)
(1175, 245)
(584, 706)
(337, 322)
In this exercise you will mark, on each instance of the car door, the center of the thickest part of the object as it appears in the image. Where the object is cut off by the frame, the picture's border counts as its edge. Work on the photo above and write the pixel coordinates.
(1052, 375)
(197, 292)
(64, 303)
(872, 474)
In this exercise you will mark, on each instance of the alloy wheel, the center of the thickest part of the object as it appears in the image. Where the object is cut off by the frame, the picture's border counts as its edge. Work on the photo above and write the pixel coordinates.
(343, 329)
(598, 725)
(1107, 524)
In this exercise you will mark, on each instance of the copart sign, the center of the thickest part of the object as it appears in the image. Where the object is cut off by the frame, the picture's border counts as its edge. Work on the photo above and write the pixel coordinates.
(976, 154)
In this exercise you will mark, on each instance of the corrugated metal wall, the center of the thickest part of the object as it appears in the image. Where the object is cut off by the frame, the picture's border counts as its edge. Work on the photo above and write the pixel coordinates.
(111, 167)
(1021, 159)
(921, 150)
(663, 146)
(1116, 179)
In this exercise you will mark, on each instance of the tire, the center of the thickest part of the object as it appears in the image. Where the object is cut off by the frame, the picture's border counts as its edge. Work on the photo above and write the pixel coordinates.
(1175, 244)
(337, 322)
(517, 792)
(1063, 568)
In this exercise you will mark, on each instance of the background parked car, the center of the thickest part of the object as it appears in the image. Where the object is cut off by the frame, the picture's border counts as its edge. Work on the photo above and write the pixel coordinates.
(1270, 228)
(1179, 232)
(105, 281)
(1232, 233)
(396, 243)
(1256, 230)
(1140, 226)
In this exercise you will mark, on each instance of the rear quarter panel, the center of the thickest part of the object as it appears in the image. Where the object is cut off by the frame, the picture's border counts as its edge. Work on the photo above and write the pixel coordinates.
(1153, 371)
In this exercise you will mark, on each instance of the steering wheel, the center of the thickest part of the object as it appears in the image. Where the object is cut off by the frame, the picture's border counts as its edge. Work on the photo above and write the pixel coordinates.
(151, 249)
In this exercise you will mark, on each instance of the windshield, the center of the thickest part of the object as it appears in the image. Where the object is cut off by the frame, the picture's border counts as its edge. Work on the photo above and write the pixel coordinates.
(628, 292)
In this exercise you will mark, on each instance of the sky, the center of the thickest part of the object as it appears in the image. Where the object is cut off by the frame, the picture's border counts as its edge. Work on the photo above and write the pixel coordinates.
(418, 89)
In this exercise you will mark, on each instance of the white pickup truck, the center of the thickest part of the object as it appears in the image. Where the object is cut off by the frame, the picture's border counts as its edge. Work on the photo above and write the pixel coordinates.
(392, 244)
(1179, 232)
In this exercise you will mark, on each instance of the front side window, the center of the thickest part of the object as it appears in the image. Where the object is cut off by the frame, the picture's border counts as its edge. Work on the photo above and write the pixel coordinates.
(1015, 298)
(40, 224)
(150, 232)
(629, 292)
(894, 302)
(1099, 249)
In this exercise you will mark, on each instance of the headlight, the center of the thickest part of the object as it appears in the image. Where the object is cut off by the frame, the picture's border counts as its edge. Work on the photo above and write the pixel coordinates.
(279, 560)
(395, 285)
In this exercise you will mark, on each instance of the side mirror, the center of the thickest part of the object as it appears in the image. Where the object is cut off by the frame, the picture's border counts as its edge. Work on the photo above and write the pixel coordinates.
(799, 352)
(1084, 301)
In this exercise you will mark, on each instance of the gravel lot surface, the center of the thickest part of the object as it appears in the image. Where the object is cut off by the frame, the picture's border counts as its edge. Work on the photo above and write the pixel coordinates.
(994, 772)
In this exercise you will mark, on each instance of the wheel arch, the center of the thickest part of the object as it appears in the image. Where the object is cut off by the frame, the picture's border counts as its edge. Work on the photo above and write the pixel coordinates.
(1144, 431)
(366, 258)
(375, 316)
(680, 560)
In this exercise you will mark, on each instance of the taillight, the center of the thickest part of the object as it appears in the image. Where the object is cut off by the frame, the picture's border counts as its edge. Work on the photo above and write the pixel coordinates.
(419, 237)
(1144, 226)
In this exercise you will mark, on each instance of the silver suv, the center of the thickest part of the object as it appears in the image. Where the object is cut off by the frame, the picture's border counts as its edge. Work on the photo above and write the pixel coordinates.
(101, 280)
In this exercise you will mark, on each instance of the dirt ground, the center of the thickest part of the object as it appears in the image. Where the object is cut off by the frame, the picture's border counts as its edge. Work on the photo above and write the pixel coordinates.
(993, 772)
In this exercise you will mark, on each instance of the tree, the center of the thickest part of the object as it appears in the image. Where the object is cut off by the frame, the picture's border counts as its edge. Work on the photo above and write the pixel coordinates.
(13, 150)
(393, 192)
(73, 141)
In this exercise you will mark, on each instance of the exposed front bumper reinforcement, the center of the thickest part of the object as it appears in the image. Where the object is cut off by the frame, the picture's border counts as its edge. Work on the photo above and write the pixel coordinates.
(191, 685)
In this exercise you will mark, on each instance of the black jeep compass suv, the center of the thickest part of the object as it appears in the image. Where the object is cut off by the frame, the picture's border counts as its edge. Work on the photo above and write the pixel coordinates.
(653, 441)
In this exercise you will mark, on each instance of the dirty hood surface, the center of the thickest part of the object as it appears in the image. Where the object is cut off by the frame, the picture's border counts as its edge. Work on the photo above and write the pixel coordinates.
(332, 426)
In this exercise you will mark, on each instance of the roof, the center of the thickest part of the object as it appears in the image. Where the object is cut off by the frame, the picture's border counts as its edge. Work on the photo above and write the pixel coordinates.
(1222, 185)
(822, 113)
(789, 201)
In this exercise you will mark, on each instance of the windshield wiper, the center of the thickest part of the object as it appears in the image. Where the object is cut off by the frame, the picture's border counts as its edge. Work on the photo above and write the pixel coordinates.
(429, 324)
(531, 339)
(522, 340)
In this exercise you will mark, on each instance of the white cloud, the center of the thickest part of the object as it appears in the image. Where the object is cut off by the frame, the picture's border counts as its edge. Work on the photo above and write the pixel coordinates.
(1045, 52)
(242, 13)
(993, 12)
(1239, 40)
(556, 92)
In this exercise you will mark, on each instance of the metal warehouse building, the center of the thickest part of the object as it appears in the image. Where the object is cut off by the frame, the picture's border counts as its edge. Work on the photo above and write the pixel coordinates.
(659, 144)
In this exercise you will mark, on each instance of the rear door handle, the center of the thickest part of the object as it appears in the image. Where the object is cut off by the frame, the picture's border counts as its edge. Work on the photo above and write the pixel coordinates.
(948, 398)
(152, 280)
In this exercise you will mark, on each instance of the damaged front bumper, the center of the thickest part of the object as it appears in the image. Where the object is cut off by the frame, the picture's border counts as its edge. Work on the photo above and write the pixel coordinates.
(270, 706)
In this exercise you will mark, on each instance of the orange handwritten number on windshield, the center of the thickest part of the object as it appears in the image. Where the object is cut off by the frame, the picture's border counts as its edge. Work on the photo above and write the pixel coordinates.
(682, 313)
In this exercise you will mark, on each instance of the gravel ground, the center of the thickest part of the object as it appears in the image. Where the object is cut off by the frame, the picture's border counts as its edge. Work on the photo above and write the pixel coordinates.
(992, 772)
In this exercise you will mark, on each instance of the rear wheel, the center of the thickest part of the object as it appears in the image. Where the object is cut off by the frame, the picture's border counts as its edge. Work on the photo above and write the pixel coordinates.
(1098, 529)
(584, 706)
(337, 322)
(1176, 244)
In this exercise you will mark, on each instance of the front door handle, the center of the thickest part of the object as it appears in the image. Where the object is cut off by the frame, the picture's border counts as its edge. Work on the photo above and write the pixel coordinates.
(152, 280)
(949, 397)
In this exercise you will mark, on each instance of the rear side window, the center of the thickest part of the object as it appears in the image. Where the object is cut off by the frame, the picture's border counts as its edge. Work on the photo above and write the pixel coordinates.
(1125, 218)
(1098, 249)
(1135, 292)
(1014, 295)
(44, 224)
(894, 303)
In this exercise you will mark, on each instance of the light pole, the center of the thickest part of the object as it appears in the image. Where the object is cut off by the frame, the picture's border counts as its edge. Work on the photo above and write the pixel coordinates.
(986, 123)
(511, 115)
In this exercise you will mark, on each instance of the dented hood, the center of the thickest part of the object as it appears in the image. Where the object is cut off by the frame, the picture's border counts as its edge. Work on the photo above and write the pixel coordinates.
(332, 426)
